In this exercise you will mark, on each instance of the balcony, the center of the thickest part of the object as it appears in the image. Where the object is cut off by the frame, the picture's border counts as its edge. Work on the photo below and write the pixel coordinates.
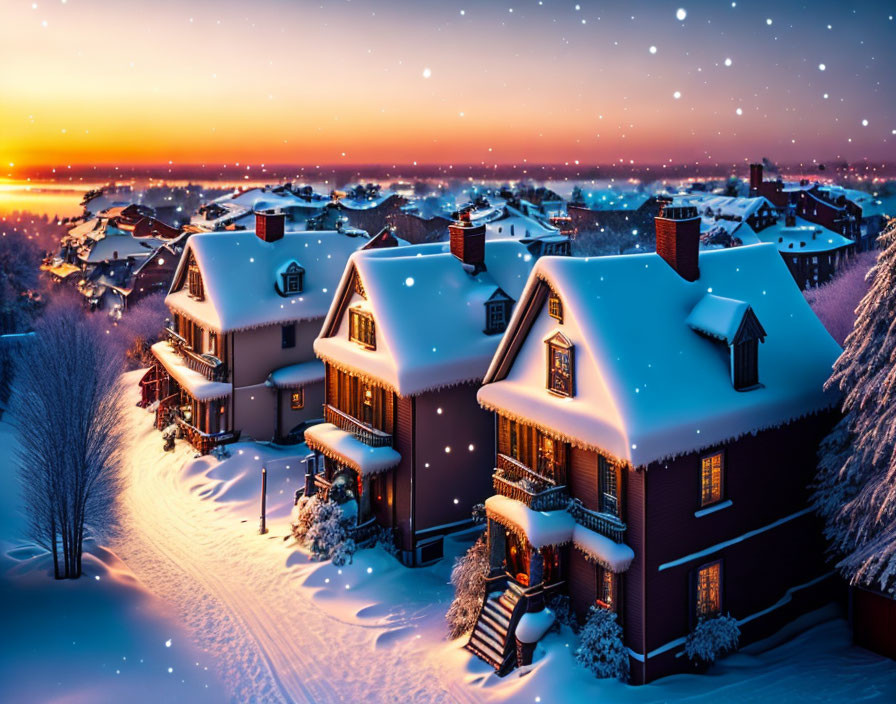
(514, 470)
(208, 365)
(552, 498)
(361, 431)
(606, 524)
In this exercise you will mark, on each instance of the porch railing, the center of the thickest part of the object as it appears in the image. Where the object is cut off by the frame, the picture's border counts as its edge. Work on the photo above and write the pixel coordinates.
(552, 498)
(606, 524)
(165, 409)
(208, 365)
(515, 470)
(363, 432)
(202, 441)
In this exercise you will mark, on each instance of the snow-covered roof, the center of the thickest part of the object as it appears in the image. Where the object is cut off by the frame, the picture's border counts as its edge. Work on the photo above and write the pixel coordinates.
(541, 528)
(239, 271)
(514, 224)
(120, 247)
(429, 313)
(346, 448)
(728, 206)
(296, 375)
(194, 383)
(804, 236)
(718, 317)
(614, 556)
(647, 387)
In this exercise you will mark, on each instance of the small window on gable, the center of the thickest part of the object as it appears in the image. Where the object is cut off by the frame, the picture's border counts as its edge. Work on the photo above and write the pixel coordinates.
(292, 279)
(194, 282)
(708, 601)
(359, 286)
(497, 312)
(560, 367)
(555, 307)
(712, 474)
(361, 328)
(297, 399)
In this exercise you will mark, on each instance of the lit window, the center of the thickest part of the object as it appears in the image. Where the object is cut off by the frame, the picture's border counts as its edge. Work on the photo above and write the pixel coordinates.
(362, 329)
(297, 399)
(359, 286)
(712, 470)
(606, 589)
(709, 590)
(194, 282)
(555, 307)
(560, 365)
(609, 487)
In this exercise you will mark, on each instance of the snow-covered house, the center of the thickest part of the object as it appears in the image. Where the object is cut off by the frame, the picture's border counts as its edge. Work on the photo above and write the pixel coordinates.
(657, 422)
(408, 338)
(246, 307)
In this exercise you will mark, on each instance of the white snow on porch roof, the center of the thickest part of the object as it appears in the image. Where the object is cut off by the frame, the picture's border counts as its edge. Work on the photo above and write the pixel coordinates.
(346, 448)
(648, 388)
(239, 271)
(193, 382)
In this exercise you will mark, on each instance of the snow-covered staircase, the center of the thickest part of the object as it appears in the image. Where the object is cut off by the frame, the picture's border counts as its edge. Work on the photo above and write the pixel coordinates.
(492, 638)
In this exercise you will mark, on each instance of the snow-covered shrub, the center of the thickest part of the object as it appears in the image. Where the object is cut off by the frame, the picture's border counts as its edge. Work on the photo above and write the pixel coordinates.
(478, 513)
(560, 606)
(320, 526)
(601, 649)
(835, 302)
(468, 579)
(855, 493)
(385, 538)
(711, 638)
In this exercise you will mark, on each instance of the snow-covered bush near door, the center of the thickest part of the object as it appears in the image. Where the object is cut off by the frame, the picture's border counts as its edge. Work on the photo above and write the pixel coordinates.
(712, 638)
(320, 526)
(601, 649)
(468, 579)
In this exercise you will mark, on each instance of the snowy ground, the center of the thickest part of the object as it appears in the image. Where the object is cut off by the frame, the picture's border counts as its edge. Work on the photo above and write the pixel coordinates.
(275, 627)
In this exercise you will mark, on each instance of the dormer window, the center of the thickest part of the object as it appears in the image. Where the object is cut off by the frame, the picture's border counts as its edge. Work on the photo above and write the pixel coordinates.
(555, 307)
(292, 279)
(361, 328)
(560, 366)
(497, 312)
(194, 282)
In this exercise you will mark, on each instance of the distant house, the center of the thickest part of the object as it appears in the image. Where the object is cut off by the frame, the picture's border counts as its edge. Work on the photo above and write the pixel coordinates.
(657, 420)
(637, 222)
(406, 343)
(246, 307)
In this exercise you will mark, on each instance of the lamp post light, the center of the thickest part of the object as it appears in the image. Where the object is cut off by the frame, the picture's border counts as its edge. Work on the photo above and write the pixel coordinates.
(262, 529)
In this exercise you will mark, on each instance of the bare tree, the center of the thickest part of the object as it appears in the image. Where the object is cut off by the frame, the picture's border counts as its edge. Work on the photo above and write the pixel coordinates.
(67, 409)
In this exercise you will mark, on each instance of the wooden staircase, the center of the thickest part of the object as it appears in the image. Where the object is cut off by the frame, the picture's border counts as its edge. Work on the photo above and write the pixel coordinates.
(493, 637)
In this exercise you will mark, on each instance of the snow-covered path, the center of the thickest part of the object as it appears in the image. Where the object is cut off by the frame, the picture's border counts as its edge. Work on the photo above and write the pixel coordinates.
(251, 602)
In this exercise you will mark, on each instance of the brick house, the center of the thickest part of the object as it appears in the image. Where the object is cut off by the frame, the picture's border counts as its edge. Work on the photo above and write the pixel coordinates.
(657, 420)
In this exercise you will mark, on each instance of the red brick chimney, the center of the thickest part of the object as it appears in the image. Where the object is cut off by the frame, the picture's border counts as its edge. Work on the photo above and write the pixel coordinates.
(678, 238)
(269, 226)
(755, 179)
(468, 241)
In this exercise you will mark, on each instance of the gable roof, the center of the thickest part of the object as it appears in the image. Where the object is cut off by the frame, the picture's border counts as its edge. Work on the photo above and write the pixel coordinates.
(239, 271)
(429, 314)
(648, 388)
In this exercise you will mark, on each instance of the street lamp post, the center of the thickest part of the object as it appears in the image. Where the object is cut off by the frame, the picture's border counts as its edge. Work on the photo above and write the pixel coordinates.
(262, 529)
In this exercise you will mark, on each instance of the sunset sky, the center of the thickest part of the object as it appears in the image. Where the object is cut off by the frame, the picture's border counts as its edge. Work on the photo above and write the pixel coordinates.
(383, 81)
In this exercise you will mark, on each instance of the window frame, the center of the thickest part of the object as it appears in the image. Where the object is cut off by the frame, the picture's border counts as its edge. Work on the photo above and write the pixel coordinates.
(297, 399)
(607, 585)
(609, 502)
(288, 336)
(195, 286)
(555, 307)
(492, 325)
(296, 276)
(559, 344)
(363, 334)
(714, 497)
(706, 566)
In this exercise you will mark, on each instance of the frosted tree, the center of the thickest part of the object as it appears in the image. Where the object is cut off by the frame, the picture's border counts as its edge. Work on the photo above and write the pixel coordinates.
(320, 526)
(66, 407)
(468, 579)
(601, 648)
(855, 491)
(712, 638)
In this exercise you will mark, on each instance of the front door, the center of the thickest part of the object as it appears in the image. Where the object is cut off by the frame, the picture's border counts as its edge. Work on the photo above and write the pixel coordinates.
(517, 559)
